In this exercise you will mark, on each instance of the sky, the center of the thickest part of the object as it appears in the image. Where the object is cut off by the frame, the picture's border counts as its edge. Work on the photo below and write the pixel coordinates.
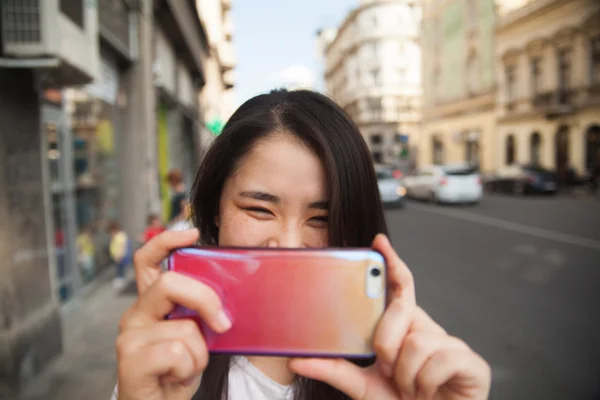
(275, 41)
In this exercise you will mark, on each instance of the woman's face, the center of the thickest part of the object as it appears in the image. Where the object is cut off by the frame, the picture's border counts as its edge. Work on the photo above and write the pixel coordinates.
(277, 198)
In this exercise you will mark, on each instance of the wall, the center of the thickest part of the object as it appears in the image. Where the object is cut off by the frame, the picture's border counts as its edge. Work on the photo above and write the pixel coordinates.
(30, 331)
(454, 149)
(536, 31)
(522, 129)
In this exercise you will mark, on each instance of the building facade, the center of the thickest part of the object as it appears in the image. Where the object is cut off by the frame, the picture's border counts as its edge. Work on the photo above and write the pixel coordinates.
(372, 70)
(548, 99)
(459, 82)
(217, 96)
(100, 107)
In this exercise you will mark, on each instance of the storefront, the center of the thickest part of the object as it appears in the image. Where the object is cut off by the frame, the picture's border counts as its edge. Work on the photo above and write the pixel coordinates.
(177, 146)
(81, 128)
(95, 124)
(59, 158)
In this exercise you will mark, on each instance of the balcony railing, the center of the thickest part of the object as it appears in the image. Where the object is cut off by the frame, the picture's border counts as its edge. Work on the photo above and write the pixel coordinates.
(554, 103)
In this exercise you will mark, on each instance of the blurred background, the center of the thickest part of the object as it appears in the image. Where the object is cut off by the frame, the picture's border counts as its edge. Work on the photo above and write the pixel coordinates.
(482, 116)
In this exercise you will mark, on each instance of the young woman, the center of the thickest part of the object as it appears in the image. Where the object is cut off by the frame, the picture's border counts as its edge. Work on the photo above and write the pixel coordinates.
(290, 169)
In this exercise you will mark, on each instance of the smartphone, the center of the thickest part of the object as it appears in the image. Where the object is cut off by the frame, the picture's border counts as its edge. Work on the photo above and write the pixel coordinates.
(289, 302)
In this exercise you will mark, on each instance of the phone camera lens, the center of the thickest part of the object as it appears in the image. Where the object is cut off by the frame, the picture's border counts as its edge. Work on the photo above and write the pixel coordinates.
(375, 272)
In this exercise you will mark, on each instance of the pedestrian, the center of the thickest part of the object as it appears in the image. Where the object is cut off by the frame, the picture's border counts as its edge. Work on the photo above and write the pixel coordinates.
(175, 180)
(86, 253)
(154, 226)
(289, 169)
(182, 221)
(121, 253)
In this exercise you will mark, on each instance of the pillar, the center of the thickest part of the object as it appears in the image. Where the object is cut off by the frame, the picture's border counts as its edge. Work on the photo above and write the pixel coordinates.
(30, 329)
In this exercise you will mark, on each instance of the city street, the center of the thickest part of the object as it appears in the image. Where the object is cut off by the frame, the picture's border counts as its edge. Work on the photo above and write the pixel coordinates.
(517, 278)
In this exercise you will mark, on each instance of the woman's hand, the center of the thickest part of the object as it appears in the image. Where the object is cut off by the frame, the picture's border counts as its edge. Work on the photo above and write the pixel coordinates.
(148, 258)
(159, 359)
(416, 358)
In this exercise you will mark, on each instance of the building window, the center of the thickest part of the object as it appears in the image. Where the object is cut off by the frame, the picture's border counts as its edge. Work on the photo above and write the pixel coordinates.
(438, 151)
(472, 74)
(374, 76)
(536, 75)
(113, 15)
(377, 157)
(376, 139)
(511, 80)
(564, 68)
(374, 105)
(472, 152)
(592, 149)
(561, 155)
(510, 150)
(595, 59)
(535, 148)
(73, 9)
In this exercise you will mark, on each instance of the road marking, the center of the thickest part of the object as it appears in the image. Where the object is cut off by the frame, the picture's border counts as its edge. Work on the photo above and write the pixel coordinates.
(512, 226)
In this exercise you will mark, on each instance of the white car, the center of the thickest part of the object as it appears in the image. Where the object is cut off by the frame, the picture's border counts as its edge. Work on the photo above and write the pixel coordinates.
(391, 190)
(458, 183)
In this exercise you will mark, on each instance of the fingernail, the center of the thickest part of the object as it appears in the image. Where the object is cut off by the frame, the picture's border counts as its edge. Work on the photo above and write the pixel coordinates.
(223, 321)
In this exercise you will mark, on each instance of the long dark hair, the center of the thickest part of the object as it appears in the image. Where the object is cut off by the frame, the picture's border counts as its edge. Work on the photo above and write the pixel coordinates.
(355, 211)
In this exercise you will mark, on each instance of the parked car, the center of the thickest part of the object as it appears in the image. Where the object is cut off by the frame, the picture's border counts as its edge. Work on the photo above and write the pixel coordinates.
(391, 190)
(395, 170)
(454, 183)
(522, 180)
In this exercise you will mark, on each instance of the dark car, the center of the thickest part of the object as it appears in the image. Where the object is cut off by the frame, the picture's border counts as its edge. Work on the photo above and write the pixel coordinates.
(522, 180)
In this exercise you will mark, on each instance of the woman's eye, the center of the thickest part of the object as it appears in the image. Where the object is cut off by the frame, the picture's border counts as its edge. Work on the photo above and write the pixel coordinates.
(322, 218)
(259, 210)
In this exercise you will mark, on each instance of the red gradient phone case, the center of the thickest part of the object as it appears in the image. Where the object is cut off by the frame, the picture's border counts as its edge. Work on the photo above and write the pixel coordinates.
(302, 302)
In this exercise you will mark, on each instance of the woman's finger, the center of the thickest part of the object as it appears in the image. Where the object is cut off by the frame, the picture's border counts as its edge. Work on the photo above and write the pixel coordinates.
(170, 289)
(399, 313)
(184, 331)
(342, 375)
(417, 348)
(148, 258)
(400, 279)
(161, 360)
(391, 331)
(423, 322)
(339, 373)
(457, 372)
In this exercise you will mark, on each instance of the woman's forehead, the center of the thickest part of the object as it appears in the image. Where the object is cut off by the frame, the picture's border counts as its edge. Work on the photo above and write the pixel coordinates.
(281, 164)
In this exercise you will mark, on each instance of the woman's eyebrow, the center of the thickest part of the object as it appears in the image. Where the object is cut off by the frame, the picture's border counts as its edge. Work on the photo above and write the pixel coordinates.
(262, 196)
(271, 198)
(321, 205)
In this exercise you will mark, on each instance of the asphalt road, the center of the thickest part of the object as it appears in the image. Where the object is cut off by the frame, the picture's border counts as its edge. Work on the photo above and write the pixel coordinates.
(519, 280)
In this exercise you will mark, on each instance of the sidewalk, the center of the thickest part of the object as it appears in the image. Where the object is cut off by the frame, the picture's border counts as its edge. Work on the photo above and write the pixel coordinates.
(87, 367)
(580, 193)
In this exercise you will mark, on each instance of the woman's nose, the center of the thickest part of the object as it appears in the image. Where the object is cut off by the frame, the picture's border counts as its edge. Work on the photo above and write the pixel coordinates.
(289, 237)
